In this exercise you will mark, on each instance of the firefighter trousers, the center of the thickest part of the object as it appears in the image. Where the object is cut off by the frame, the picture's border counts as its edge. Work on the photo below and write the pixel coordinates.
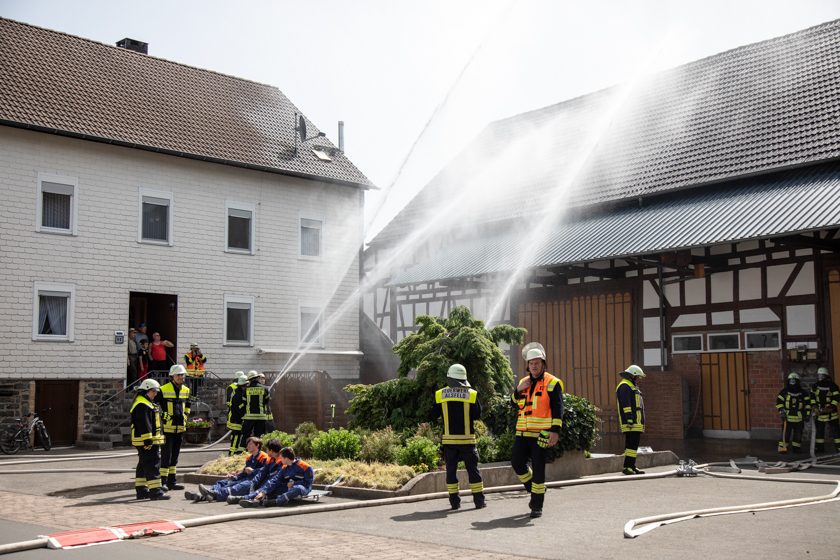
(452, 454)
(533, 478)
(791, 435)
(147, 474)
(819, 428)
(235, 440)
(251, 428)
(169, 456)
(631, 448)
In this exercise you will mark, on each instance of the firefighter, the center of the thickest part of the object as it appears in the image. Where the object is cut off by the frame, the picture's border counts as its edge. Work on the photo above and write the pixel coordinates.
(824, 399)
(794, 405)
(174, 401)
(234, 416)
(539, 399)
(147, 437)
(195, 361)
(459, 406)
(631, 415)
(256, 408)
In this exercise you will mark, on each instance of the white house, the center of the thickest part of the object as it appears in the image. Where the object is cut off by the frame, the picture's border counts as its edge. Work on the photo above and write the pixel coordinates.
(137, 189)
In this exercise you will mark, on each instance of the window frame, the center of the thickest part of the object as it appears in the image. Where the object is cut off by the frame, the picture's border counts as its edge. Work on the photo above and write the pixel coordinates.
(319, 342)
(65, 180)
(692, 335)
(170, 225)
(237, 299)
(709, 342)
(778, 333)
(317, 218)
(53, 289)
(244, 207)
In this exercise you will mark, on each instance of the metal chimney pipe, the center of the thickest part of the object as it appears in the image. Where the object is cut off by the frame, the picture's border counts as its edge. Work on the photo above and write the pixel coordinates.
(341, 135)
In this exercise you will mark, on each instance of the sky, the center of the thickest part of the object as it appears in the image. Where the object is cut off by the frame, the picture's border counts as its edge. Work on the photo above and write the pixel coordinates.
(416, 81)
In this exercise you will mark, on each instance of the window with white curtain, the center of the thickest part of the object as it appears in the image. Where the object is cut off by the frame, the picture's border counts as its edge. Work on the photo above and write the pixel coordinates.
(239, 320)
(240, 227)
(56, 204)
(155, 217)
(310, 325)
(310, 237)
(53, 307)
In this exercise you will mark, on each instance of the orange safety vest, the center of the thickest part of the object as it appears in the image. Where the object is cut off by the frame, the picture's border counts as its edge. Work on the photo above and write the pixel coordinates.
(194, 364)
(535, 414)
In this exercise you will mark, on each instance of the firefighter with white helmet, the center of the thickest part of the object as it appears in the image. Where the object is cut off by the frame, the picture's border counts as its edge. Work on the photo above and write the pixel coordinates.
(174, 401)
(147, 437)
(631, 415)
(825, 397)
(235, 392)
(459, 406)
(794, 406)
(255, 404)
(539, 398)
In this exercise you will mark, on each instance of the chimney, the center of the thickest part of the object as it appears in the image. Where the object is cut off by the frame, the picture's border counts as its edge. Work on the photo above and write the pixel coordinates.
(341, 135)
(134, 45)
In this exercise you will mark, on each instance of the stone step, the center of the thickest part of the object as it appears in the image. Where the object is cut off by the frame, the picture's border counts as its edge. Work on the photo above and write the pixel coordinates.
(111, 438)
(87, 444)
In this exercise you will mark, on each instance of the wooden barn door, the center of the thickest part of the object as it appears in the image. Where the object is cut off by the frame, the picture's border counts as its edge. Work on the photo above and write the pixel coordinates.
(834, 320)
(725, 393)
(588, 339)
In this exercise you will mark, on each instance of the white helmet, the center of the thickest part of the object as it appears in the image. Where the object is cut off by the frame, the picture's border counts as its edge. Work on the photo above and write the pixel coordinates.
(823, 371)
(253, 374)
(533, 350)
(459, 374)
(148, 384)
(635, 371)
(177, 369)
(793, 375)
(242, 379)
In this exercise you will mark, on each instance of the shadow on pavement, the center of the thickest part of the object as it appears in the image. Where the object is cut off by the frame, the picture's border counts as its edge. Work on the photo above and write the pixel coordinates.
(426, 515)
(512, 522)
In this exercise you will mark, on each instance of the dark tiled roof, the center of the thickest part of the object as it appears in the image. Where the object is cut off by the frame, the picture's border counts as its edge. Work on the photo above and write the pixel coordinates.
(784, 203)
(751, 110)
(61, 83)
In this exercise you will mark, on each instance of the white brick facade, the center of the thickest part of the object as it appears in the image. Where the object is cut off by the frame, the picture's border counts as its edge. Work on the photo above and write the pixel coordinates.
(105, 262)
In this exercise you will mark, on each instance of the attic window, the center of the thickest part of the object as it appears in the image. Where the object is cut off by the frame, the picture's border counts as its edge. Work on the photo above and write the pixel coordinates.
(322, 155)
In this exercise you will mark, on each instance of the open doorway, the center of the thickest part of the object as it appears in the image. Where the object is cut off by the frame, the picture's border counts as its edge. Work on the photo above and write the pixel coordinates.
(159, 313)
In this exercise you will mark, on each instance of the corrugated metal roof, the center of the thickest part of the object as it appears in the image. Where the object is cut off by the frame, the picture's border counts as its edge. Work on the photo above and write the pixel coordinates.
(60, 83)
(755, 109)
(787, 203)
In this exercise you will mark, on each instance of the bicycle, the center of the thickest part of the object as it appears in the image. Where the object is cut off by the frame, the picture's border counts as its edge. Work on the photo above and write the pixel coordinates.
(19, 434)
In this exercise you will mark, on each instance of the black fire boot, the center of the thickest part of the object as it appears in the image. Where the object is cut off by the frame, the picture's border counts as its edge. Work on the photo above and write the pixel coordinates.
(536, 505)
(142, 493)
(163, 486)
(172, 483)
(157, 494)
(478, 500)
(454, 501)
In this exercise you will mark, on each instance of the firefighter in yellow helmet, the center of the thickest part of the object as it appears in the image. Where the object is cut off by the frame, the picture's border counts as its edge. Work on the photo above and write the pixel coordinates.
(825, 397)
(631, 415)
(147, 437)
(255, 404)
(794, 406)
(459, 406)
(539, 398)
(174, 401)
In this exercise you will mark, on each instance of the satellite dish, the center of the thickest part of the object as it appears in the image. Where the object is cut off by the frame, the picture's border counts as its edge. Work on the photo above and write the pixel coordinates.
(301, 128)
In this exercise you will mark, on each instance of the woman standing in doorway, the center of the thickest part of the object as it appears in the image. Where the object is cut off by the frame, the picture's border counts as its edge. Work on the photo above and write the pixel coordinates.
(157, 353)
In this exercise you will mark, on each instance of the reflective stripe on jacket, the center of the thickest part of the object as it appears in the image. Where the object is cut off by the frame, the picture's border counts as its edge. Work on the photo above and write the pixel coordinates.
(257, 405)
(796, 405)
(541, 406)
(631, 406)
(145, 422)
(194, 363)
(459, 407)
(175, 402)
(824, 399)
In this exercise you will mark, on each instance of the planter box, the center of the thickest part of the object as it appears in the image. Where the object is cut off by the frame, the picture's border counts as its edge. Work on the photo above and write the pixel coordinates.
(197, 435)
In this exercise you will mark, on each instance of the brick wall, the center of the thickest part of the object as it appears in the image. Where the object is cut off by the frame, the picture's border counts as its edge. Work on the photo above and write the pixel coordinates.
(105, 262)
(662, 392)
(766, 379)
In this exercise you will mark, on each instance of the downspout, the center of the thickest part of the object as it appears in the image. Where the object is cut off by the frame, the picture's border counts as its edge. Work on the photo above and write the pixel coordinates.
(661, 317)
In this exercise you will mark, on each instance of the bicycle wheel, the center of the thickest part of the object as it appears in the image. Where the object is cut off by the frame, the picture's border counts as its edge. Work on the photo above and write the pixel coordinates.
(44, 437)
(9, 443)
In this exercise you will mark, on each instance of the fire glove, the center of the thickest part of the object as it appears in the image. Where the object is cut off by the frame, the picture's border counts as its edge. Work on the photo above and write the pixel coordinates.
(165, 416)
(542, 440)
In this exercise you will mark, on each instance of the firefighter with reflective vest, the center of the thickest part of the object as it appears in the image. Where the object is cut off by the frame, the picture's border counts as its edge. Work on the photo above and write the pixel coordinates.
(794, 406)
(234, 416)
(539, 399)
(147, 437)
(631, 415)
(825, 397)
(459, 406)
(255, 404)
(174, 401)
(195, 361)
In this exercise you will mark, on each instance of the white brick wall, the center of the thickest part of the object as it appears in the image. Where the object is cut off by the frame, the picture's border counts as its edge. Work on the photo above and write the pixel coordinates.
(105, 262)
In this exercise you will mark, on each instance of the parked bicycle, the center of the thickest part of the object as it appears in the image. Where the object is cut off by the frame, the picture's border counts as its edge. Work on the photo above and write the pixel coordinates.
(19, 434)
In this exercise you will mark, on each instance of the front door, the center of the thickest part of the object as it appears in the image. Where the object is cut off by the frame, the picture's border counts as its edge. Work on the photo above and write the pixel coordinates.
(57, 403)
(726, 411)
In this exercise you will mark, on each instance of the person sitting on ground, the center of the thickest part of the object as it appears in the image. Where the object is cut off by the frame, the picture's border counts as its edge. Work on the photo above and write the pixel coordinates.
(238, 482)
(292, 482)
(245, 488)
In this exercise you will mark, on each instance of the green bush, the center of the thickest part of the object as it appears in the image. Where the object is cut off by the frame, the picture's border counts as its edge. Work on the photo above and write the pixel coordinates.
(336, 444)
(504, 446)
(380, 446)
(499, 413)
(390, 403)
(304, 434)
(419, 453)
(286, 440)
(580, 426)
(486, 446)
